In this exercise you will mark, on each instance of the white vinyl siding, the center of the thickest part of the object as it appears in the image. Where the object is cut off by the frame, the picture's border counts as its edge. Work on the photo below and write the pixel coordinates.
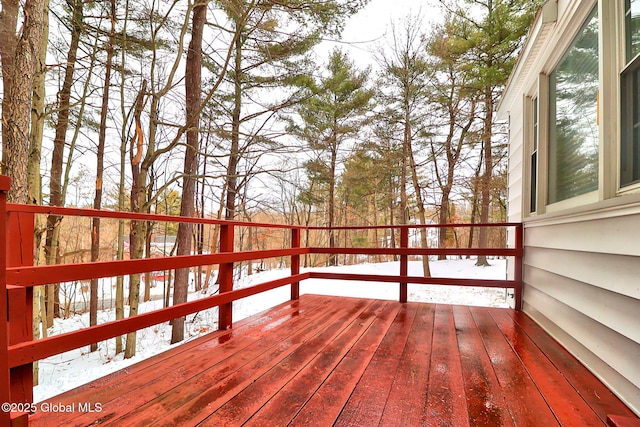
(581, 256)
(610, 356)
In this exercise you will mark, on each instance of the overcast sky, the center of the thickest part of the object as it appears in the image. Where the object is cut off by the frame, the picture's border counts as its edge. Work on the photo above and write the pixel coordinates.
(368, 28)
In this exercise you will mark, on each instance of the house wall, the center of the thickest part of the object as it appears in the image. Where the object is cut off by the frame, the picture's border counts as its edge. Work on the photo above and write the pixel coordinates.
(581, 261)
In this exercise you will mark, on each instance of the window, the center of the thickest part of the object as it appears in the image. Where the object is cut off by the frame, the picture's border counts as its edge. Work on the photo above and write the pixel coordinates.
(533, 164)
(630, 98)
(573, 117)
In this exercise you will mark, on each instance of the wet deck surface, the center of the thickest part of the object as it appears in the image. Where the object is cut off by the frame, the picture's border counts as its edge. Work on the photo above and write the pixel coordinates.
(327, 361)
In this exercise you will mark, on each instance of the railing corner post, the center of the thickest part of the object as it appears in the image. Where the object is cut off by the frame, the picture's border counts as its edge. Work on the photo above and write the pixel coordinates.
(295, 263)
(404, 263)
(20, 238)
(225, 276)
(5, 375)
(518, 267)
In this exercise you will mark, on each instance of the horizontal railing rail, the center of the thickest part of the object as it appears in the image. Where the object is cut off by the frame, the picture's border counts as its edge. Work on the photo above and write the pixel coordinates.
(46, 274)
(31, 351)
(135, 216)
(18, 276)
(417, 251)
(482, 283)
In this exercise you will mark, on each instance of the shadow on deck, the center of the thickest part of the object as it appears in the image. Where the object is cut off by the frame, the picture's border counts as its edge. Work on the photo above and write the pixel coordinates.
(324, 361)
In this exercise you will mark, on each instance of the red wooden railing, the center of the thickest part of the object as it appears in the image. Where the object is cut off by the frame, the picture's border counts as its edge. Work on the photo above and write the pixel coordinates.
(18, 276)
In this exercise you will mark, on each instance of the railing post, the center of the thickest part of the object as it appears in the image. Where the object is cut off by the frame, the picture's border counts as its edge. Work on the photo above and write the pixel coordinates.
(295, 263)
(225, 276)
(5, 376)
(20, 240)
(404, 262)
(518, 267)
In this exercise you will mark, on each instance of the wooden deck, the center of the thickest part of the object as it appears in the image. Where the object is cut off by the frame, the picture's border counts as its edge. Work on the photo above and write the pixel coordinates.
(326, 361)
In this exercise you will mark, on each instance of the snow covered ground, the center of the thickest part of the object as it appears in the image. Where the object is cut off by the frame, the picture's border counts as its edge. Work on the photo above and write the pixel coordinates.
(74, 368)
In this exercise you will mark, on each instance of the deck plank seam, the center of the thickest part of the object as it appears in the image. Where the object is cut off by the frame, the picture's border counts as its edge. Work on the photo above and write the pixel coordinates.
(357, 308)
(372, 308)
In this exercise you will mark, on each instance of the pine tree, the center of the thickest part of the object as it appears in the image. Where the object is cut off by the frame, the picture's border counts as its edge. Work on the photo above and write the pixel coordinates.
(404, 79)
(330, 118)
(487, 35)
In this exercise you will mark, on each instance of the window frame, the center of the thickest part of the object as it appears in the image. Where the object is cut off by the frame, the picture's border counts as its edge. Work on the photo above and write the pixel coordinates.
(629, 70)
(579, 24)
(531, 157)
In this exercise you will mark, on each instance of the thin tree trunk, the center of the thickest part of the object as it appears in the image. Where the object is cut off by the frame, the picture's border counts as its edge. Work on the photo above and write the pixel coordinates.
(121, 184)
(232, 169)
(34, 182)
(392, 231)
(426, 271)
(193, 83)
(97, 200)
(474, 202)
(57, 156)
(137, 231)
(214, 241)
(38, 115)
(332, 196)
(488, 173)
(375, 223)
(200, 229)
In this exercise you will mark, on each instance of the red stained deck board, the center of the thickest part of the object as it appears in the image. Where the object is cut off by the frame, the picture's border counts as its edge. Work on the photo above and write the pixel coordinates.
(620, 421)
(288, 388)
(284, 405)
(288, 358)
(345, 361)
(486, 402)
(203, 393)
(565, 402)
(366, 404)
(325, 405)
(409, 390)
(511, 374)
(446, 397)
(594, 392)
(150, 378)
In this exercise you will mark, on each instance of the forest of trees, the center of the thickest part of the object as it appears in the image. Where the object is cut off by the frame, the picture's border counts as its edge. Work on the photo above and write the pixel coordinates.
(224, 109)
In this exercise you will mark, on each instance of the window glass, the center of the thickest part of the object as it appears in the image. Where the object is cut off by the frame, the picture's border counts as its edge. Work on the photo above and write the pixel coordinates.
(630, 113)
(573, 124)
(630, 99)
(534, 159)
(632, 24)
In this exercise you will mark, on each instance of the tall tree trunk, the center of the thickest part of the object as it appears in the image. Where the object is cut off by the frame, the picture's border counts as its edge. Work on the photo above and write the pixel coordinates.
(488, 173)
(121, 183)
(97, 200)
(34, 181)
(332, 197)
(19, 56)
(193, 83)
(8, 44)
(234, 154)
(138, 199)
(200, 227)
(392, 213)
(376, 239)
(443, 218)
(426, 271)
(38, 115)
(55, 186)
(474, 202)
